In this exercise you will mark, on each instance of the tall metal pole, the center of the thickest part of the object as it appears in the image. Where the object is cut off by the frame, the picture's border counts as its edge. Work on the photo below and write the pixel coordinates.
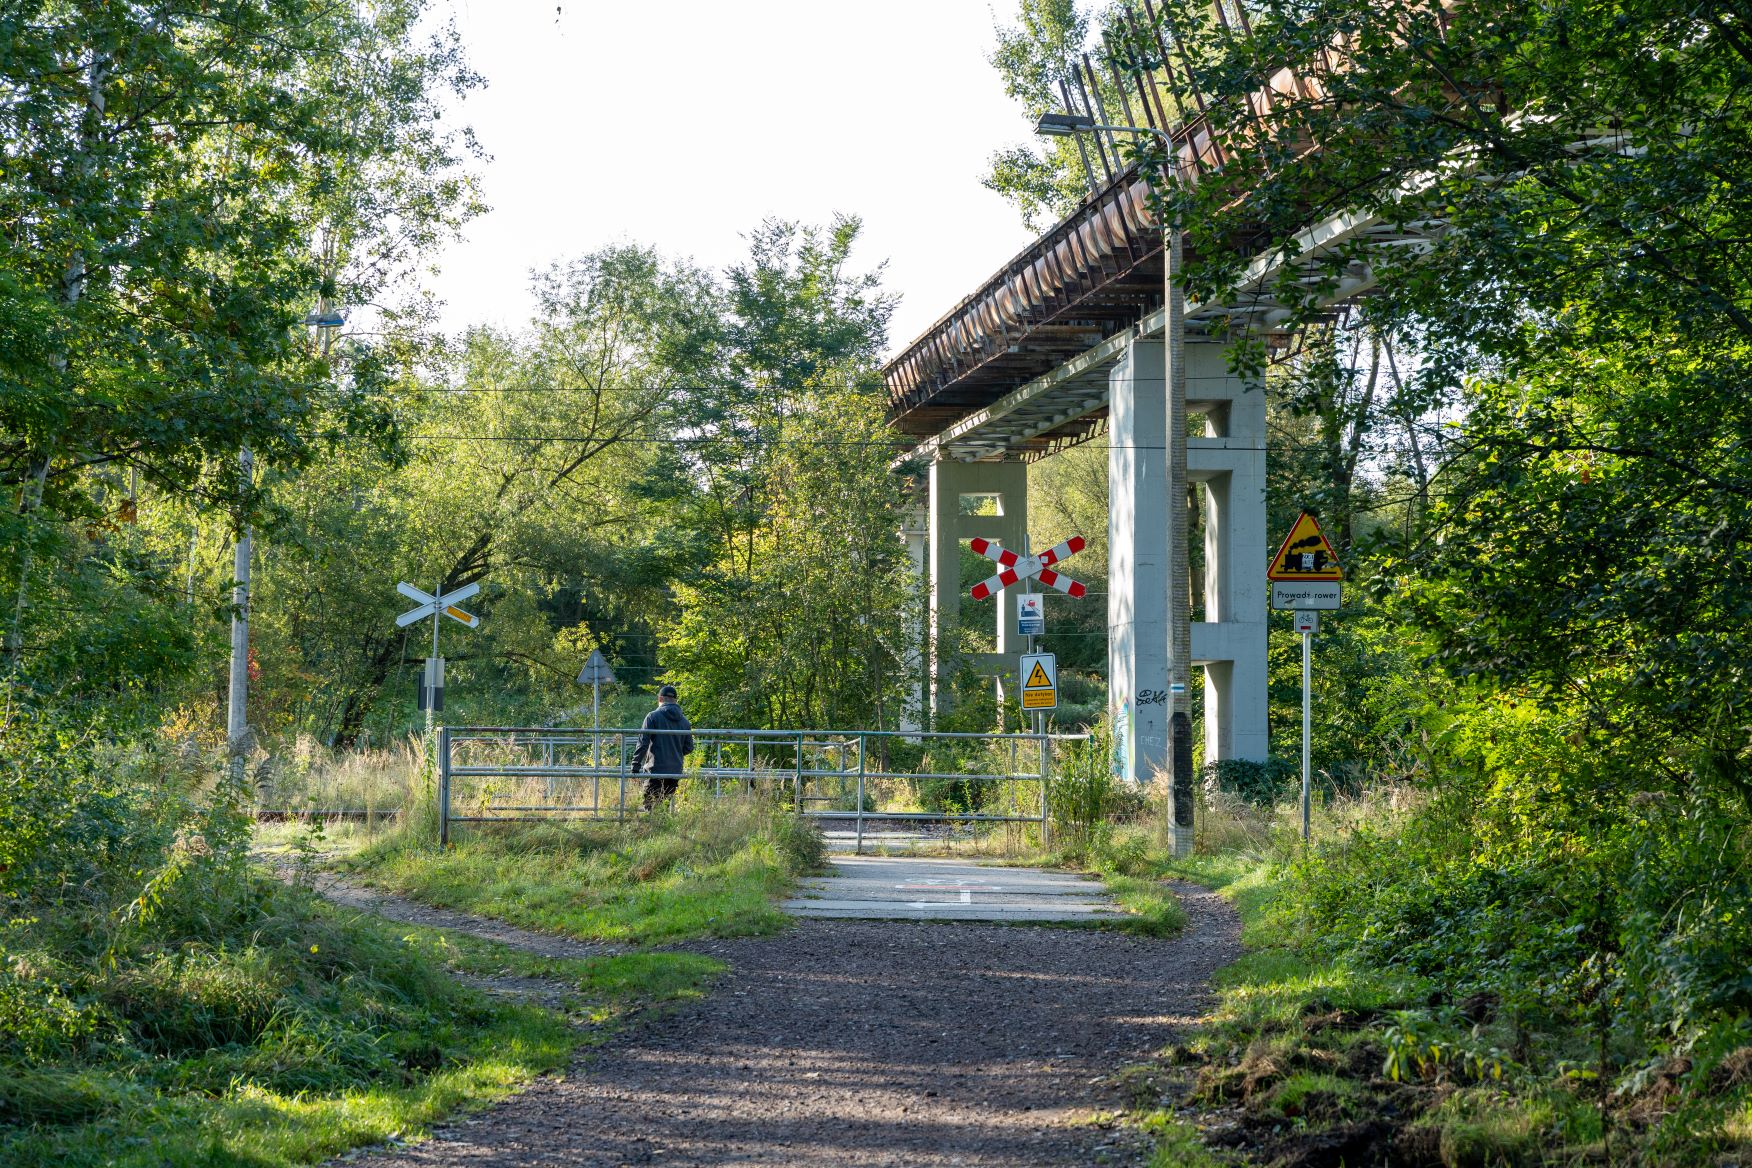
(237, 708)
(1179, 587)
(1179, 563)
(1307, 721)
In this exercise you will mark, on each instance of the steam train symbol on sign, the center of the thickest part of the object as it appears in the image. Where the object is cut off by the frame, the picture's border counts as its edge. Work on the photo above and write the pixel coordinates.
(1306, 554)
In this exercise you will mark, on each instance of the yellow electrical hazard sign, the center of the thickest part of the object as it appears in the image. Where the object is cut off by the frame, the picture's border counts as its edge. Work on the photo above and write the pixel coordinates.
(1306, 554)
(1039, 681)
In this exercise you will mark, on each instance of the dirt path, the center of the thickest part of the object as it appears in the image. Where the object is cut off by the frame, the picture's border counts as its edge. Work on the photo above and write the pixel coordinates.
(391, 907)
(853, 1044)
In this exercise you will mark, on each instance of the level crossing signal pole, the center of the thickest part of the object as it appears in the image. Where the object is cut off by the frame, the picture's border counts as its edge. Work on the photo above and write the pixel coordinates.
(1025, 569)
(436, 605)
(1039, 721)
(433, 680)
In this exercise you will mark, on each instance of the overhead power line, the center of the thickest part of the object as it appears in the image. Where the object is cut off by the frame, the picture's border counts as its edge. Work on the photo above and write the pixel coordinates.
(873, 387)
(656, 440)
(757, 440)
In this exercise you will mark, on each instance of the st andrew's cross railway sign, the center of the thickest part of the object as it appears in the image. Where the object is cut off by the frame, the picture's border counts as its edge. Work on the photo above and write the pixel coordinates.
(1305, 573)
(1018, 568)
(435, 605)
(430, 605)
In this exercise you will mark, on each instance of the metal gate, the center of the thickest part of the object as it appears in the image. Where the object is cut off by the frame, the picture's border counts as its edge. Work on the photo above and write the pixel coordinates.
(500, 774)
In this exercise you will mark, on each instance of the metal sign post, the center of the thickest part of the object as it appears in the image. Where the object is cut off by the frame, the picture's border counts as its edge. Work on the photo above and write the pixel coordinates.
(435, 604)
(1305, 573)
(1030, 617)
(1307, 623)
(596, 671)
(1031, 623)
(1305, 576)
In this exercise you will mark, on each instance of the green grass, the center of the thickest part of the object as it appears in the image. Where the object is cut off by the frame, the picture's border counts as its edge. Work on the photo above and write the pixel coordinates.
(1152, 910)
(250, 1124)
(702, 871)
(1177, 1142)
(1299, 1041)
(313, 1032)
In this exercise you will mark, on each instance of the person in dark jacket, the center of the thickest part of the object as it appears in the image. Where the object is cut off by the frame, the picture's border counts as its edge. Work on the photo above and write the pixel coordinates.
(662, 754)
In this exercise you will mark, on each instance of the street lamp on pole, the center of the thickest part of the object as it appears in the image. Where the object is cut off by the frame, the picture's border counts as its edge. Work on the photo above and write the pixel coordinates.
(1061, 125)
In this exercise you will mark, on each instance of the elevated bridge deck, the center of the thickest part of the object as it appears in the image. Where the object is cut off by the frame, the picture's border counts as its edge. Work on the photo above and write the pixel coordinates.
(1070, 338)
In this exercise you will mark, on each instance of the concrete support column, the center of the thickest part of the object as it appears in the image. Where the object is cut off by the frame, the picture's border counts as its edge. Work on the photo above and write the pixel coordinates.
(959, 490)
(916, 534)
(1138, 564)
(1231, 641)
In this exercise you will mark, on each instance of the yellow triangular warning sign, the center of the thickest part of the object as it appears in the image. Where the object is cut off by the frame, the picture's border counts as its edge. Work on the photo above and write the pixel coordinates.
(1037, 679)
(1306, 554)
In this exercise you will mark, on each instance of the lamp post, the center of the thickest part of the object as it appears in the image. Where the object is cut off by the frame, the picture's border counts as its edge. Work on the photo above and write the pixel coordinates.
(1174, 358)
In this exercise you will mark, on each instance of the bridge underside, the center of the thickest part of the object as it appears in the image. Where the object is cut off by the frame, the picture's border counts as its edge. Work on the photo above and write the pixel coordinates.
(991, 385)
(1065, 342)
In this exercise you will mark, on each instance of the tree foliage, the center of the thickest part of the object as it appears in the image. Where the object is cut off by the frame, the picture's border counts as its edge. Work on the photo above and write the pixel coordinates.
(802, 615)
(183, 185)
(1573, 324)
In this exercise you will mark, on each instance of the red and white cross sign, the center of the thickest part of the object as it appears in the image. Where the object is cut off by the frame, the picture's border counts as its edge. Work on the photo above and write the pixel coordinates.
(1018, 568)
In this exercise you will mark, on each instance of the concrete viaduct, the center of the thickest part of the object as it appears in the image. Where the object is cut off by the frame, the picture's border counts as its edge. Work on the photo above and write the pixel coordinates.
(1065, 343)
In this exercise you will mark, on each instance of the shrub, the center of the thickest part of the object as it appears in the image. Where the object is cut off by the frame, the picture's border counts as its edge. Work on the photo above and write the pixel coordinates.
(1259, 783)
(196, 1000)
(1084, 794)
(800, 847)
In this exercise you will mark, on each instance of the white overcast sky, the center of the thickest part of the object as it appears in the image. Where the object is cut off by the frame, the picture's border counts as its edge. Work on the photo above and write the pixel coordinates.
(683, 123)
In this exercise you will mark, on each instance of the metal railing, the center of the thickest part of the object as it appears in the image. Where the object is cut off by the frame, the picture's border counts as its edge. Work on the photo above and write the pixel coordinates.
(500, 774)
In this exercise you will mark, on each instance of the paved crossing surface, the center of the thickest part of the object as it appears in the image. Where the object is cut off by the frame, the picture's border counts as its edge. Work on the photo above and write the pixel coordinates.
(905, 888)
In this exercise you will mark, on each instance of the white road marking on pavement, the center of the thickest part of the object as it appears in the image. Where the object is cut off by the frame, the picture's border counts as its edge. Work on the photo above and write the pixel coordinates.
(873, 887)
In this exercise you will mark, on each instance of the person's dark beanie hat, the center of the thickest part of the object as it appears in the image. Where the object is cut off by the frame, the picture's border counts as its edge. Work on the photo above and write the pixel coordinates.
(667, 691)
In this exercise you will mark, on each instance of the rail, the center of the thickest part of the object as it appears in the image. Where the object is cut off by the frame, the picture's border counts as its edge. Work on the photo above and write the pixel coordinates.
(500, 774)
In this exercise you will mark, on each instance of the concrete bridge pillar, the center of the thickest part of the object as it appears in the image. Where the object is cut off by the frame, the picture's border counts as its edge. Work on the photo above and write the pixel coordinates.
(1230, 643)
(988, 499)
(1229, 460)
(916, 534)
(1138, 562)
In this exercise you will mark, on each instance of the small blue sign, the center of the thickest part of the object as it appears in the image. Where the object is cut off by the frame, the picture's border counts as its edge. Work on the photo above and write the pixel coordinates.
(1030, 614)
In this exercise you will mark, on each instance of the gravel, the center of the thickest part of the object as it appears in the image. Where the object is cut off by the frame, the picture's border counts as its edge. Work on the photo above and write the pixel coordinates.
(863, 1043)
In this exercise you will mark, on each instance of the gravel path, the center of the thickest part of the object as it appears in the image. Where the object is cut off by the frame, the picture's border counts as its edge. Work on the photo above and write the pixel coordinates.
(853, 1044)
